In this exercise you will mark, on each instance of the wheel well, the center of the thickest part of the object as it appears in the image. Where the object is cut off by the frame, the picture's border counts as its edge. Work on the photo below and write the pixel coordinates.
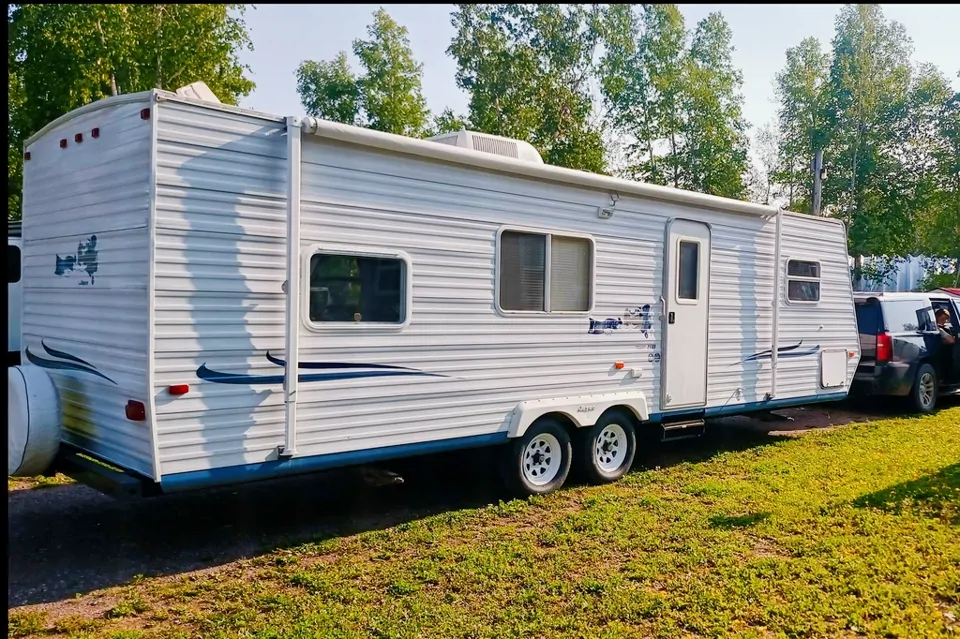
(626, 411)
(562, 419)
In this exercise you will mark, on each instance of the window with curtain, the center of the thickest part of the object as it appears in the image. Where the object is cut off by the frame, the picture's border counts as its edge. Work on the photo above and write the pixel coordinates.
(357, 289)
(526, 284)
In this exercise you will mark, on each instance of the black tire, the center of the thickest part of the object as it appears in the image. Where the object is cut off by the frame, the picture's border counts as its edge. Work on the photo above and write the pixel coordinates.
(519, 464)
(922, 399)
(619, 450)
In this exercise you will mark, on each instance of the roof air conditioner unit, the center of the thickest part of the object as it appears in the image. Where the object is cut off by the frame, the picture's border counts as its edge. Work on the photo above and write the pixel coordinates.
(198, 91)
(485, 143)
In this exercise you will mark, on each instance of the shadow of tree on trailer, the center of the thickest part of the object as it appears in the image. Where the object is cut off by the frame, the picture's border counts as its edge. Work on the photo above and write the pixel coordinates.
(936, 496)
(71, 539)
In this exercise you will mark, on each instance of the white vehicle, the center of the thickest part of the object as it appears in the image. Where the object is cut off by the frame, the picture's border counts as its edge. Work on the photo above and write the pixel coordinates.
(215, 295)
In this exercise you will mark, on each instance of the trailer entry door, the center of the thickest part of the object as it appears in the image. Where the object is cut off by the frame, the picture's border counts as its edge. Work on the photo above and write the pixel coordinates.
(686, 311)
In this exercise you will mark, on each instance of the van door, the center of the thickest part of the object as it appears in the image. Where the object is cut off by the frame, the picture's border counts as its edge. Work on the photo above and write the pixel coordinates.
(685, 315)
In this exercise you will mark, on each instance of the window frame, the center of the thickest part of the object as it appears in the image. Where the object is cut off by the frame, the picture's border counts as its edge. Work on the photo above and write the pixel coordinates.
(406, 279)
(686, 301)
(801, 278)
(547, 270)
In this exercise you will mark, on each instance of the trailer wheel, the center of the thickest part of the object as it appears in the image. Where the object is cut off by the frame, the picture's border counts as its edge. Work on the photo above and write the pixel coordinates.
(604, 452)
(923, 395)
(539, 462)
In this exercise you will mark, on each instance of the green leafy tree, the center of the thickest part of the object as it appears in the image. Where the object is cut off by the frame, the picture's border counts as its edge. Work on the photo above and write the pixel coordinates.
(329, 90)
(869, 83)
(448, 122)
(801, 88)
(388, 95)
(761, 178)
(938, 211)
(641, 80)
(675, 98)
(63, 56)
(527, 69)
(713, 128)
(916, 161)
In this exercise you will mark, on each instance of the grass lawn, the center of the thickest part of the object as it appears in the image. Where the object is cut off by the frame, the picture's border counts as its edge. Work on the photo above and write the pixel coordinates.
(27, 483)
(842, 533)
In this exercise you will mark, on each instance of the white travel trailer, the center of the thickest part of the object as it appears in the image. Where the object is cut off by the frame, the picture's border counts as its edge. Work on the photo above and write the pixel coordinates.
(214, 295)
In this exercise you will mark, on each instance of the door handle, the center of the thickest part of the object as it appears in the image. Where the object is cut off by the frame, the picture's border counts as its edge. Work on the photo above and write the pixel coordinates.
(671, 318)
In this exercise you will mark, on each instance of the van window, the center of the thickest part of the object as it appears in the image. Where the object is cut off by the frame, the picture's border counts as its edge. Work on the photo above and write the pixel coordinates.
(803, 281)
(525, 279)
(13, 264)
(869, 320)
(357, 289)
(906, 316)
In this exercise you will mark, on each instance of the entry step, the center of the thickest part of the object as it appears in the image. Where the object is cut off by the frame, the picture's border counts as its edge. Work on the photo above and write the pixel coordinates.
(683, 430)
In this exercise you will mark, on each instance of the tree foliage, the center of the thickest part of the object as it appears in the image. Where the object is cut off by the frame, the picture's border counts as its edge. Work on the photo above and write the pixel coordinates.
(388, 96)
(801, 88)
(62, 56)
(527, 70)
(887, 128)
(676, 97)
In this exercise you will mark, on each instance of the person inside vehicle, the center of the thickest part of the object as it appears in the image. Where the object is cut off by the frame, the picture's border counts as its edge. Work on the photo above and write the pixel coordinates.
(942, 317)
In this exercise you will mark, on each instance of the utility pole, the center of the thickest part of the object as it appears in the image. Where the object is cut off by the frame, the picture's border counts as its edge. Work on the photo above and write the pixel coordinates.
(818, 175)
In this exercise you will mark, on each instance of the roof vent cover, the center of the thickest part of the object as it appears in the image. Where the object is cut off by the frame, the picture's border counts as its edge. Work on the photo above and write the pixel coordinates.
(485, 143)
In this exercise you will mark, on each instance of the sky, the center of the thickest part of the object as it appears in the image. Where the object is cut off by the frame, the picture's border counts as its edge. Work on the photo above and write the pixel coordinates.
(285, 35)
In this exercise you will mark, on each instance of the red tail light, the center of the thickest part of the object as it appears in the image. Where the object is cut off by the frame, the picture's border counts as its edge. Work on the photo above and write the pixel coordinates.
(136, 411)
(179, 389)
(884, 348)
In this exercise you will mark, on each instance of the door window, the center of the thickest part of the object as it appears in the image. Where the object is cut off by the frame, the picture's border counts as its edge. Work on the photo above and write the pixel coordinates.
(688, 282)
(13, 264)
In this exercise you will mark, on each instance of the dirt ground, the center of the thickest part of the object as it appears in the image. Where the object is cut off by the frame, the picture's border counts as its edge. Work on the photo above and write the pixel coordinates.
(66, 540)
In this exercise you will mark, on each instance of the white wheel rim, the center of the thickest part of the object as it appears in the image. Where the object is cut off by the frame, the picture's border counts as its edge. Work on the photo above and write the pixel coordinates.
(541, 459)
(610, 449)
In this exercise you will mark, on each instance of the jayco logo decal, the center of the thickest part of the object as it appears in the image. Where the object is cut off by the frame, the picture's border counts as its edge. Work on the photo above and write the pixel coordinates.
(85, 261)
(637, 318)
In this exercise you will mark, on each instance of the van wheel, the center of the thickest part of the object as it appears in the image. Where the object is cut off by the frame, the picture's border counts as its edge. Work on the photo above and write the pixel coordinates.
(539, 462)
(605, 451)
(923, 396)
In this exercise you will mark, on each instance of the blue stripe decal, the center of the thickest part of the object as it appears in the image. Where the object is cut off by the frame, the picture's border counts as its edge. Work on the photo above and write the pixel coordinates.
(784, 352)
(208, 375)
(64, 366)
(379, 370)
(323, 365)
(63, 355)
(272, 469)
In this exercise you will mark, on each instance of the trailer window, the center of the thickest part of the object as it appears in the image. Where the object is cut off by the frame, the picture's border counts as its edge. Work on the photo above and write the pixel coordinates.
(803, 281)
(13, 264)
(527, 283)
(357, 289)
(689, 279)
